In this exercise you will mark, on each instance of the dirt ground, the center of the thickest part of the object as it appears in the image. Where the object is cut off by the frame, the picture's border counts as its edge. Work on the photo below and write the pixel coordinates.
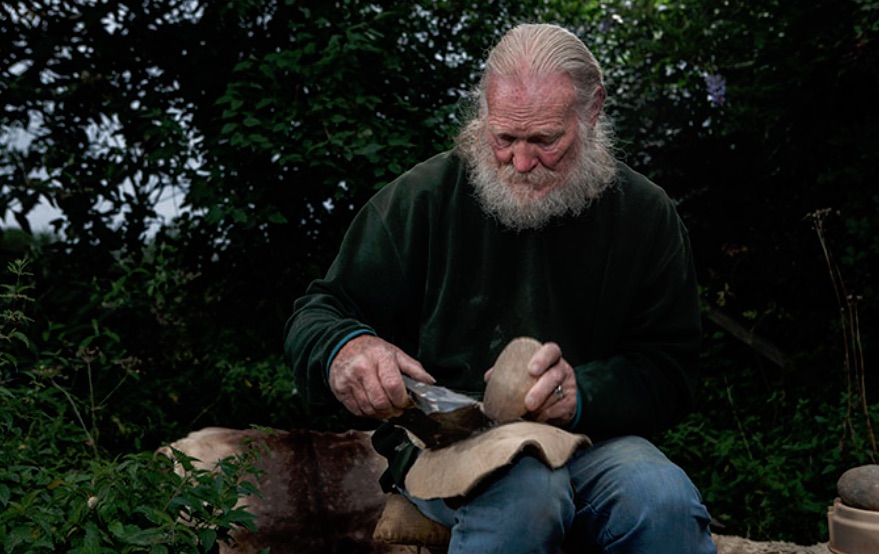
(737, 545)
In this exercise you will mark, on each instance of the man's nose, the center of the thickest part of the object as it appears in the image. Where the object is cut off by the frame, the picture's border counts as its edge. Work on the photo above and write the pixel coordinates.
(524, 157)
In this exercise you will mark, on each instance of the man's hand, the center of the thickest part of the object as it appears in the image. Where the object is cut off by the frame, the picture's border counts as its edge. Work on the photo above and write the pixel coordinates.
(543, 400)
(365, 377)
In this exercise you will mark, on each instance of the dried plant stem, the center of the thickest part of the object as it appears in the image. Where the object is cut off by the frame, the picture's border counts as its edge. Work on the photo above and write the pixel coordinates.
(860, 368)
(735, 413)
(855, 375)
(72, 402)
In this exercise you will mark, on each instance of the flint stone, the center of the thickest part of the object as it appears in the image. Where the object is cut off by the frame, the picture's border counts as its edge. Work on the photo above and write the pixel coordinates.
(510, 381)
(859, 487)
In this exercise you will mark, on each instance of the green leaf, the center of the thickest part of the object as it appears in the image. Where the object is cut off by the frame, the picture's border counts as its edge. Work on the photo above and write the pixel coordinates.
(134, 535)
(369, 149)
(208, 538)
(91, 543)
(239, 216)
(242, 65)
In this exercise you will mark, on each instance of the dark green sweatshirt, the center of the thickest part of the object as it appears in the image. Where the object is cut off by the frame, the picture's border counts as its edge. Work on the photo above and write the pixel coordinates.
(423, 267)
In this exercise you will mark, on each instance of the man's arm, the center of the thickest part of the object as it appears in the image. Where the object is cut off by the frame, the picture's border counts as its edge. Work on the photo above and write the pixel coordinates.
(648, 382)
(332, 339)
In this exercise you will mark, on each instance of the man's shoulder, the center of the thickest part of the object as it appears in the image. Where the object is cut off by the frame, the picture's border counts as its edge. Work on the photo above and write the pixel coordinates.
(635, 183)
(440, 162)
(429, 174)
(635, 191)
(432, 180)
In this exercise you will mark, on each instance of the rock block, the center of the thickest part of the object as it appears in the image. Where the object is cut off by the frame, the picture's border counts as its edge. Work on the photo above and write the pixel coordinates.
(859, 487)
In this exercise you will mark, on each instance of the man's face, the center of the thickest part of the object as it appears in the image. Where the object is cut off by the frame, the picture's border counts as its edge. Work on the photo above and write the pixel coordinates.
(533, 130)
(531, 156)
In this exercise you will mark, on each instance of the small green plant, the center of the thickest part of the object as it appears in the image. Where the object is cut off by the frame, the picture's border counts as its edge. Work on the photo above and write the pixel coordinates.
(768, 472)
(60, 491)
(133, 504)
(12, 317)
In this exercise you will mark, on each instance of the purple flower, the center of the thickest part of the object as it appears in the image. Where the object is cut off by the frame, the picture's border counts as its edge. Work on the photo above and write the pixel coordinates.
(608, 22)
(716, 89)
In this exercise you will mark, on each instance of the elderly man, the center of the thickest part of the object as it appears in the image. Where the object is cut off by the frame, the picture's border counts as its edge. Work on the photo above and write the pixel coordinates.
(528, 227)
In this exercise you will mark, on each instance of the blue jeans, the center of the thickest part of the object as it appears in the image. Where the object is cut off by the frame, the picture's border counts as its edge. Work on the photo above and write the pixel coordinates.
(620, 495)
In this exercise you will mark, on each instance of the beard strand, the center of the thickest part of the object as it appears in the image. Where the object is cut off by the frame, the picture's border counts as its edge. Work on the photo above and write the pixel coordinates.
(510, 196)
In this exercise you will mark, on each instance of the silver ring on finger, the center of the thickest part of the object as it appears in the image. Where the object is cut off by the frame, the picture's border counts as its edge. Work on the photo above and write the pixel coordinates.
(559, 392)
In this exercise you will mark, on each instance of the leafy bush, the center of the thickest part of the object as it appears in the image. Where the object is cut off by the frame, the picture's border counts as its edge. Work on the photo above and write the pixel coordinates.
(765, 453)
(61, 491)
(766, 479)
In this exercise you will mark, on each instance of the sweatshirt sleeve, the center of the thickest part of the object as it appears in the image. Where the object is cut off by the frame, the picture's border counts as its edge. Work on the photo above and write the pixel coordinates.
(363, 284)
(375, 285)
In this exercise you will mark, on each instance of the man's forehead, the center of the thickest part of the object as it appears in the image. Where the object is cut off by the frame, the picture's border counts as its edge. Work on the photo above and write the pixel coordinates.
(534, 99)
(555, 88)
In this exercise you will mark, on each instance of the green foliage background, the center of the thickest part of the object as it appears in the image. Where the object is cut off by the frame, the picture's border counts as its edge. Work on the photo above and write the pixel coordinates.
(270, 123)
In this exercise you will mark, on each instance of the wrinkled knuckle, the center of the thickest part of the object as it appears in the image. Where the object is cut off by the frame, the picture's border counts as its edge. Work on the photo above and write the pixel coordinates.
(381, 404)
(342, 386)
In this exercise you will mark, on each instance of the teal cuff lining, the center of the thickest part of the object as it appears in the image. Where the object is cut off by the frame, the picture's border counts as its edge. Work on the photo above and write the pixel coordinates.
(342, 343)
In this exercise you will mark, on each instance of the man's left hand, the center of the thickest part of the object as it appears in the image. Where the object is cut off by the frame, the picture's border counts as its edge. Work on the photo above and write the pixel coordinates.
(544, 400)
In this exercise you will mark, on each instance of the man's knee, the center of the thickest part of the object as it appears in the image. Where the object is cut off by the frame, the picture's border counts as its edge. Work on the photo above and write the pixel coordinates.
(664, 489)
(627, 483)
(650, 483)
(534, 502)
(530, 472)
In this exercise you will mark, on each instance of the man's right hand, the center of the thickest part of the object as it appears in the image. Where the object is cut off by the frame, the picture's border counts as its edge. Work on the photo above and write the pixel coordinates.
(365, 377)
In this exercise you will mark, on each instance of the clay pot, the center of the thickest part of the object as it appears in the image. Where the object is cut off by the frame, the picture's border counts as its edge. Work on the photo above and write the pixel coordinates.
(852, 530)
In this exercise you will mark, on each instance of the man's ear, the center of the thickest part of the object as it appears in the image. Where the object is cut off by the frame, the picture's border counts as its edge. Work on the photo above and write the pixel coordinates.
(597, 104)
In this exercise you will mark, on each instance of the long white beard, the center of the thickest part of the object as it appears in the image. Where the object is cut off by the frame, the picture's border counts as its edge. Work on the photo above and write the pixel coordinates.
(512, 198)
